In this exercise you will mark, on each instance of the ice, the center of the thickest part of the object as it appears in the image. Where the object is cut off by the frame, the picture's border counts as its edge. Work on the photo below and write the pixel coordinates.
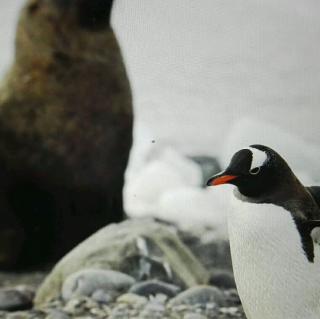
(167, 171)
(189, 207)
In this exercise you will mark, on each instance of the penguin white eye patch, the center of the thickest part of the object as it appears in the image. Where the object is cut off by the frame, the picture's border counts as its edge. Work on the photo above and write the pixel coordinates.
(254, 171)
(258, 159)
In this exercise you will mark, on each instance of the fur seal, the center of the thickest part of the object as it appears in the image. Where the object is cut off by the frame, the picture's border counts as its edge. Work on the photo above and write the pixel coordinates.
(65, 130)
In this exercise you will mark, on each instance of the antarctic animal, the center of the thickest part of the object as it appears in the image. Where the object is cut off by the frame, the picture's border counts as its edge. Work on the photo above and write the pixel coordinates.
(274, 236)
(65, 130)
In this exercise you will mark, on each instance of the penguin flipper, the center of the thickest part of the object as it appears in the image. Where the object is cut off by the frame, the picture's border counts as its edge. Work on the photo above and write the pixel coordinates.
(315, 193)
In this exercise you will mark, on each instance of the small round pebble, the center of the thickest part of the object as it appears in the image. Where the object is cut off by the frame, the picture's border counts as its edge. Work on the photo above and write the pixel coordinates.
(222, 279)
(102, 296)
(193, 316)
(132, 299)
(154, 287)
(57, 314)
(232, 298)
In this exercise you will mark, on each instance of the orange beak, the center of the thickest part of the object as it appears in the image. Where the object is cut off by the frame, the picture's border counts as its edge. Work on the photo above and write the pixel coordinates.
(219, 180)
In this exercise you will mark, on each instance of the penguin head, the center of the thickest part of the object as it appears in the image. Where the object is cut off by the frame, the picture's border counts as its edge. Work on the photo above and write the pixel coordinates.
(256, 171)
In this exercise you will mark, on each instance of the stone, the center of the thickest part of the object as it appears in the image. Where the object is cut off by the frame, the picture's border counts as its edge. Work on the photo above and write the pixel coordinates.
(232, 298)
(65, 131)
(13, 299)
(193, 316)
(153, 310)
(102, 297)
(120, 311)
(33, 314)
(199, 295)
(154, 287)
(222, 279)
(89, 281)
(212, 250)
(125, 247)
(57, 314)
(132, 299)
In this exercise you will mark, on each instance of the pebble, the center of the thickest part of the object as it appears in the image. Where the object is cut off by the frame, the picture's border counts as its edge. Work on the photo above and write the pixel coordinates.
(121, 311)
(132, 299)
(193, 316)
(101, 296)
(199, 295)
(74, 307)
(18, 298)
(222, 279)
(33, 314)
(232, 298)
(57, 314)
(87, 282)
(154, 287)
(229, 311)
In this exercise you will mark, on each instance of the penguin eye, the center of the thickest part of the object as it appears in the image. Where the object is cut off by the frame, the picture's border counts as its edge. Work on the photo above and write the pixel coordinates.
(254, 171)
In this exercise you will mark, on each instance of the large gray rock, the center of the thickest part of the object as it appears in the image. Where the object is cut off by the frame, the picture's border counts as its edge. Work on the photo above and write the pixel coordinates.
(199, 295)
(95, 282)
(18, 298)
(141, 248)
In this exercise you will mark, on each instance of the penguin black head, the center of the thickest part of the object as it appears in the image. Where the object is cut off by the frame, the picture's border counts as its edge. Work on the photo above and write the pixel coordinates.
(257, 171)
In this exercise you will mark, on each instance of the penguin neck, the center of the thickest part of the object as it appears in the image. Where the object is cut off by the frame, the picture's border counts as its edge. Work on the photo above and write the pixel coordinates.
(292, 196)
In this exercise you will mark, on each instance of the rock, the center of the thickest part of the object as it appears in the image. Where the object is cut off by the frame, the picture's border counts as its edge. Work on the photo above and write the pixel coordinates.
(120, 311)
(139, 248)
(132, 299)
(199, 295)
(13, 299)
(154, 287)
(89, 281)
(193, 316)
(222, 279)
(57, 314)
(65, 131)
(232, 298)
(206, 244)
(33, 314)
(78, 306)
(231, 312)
(102, 297)
(153, 310)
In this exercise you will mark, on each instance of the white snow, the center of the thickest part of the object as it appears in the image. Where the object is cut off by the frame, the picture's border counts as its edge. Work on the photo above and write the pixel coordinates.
(191, 207)
(168, 171)
(210, 77)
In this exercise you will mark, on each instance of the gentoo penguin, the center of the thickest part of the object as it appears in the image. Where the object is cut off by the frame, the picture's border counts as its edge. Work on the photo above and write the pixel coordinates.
(273, 236)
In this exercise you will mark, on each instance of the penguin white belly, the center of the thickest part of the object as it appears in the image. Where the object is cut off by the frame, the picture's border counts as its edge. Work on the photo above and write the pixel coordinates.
(274, 278)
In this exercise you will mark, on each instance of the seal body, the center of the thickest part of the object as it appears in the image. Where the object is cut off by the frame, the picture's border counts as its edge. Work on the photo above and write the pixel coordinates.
(274, 278)
(65, 131)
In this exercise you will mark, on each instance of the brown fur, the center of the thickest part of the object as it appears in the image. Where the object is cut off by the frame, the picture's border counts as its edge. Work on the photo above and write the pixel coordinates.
(65, 134)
